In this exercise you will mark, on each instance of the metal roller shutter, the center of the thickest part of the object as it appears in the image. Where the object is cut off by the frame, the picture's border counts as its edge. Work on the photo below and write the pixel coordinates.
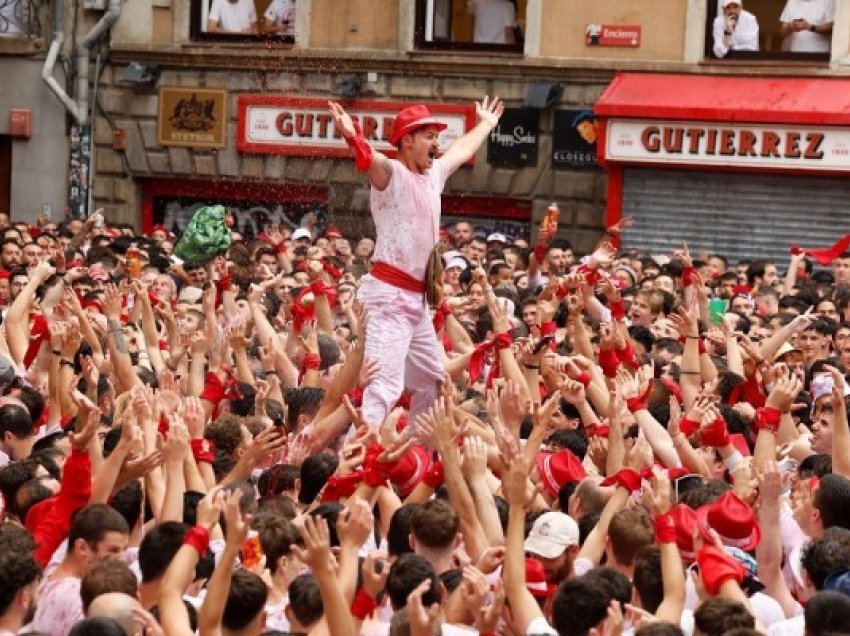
(737, 215)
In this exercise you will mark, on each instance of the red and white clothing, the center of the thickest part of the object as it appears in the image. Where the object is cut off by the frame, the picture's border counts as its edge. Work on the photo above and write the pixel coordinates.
(59, 606)
(400, 335)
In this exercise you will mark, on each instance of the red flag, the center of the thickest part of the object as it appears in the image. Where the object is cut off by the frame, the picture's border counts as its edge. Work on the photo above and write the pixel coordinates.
(827, 255)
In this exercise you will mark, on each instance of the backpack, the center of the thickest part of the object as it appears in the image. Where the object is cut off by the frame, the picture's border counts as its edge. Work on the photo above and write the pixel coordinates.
(206, 236)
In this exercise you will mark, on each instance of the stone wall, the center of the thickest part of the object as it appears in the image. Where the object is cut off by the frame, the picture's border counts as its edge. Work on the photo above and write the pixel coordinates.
(581, 195)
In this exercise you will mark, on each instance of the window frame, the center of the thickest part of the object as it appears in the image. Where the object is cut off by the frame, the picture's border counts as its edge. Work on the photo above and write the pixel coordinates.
(421, 44)
(809, 59)
(198, 34)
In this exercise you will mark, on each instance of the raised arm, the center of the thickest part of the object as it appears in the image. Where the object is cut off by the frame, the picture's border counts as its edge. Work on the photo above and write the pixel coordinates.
(374, 163)
(489, 112)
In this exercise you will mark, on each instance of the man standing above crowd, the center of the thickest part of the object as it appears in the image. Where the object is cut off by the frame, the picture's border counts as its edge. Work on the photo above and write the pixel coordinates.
(405, 204)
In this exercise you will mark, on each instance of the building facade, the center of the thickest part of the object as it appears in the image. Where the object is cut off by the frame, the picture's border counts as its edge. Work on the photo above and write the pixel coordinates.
(182, 114)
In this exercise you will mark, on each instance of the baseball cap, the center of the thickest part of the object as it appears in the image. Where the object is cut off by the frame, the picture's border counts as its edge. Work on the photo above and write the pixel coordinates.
(726, 3)
(302, 233)
(551, 534)
(497, 237)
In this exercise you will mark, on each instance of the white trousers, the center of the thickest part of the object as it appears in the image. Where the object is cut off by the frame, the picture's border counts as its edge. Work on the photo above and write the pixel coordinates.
(400, 337)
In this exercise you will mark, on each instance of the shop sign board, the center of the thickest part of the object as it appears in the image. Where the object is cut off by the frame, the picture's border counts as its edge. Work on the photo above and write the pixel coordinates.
(270, 124)
(726, 144)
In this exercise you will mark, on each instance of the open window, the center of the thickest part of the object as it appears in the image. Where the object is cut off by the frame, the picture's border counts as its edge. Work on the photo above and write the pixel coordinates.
(246, 20)
(789, 30)
(471, 25)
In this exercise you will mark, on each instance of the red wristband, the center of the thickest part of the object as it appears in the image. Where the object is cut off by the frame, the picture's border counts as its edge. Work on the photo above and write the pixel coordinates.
(362, 150)
(503, 341)
(312, 362)
(548, 328)
(715, 434)
(363, 605)
(199, 538)
(585, 378)
(618, 309)
(597, 430)
(318, 288)
(688, 426)
(373, 473)
(608, 362)
(636, 404)
(665, 528)
(627, 355)
(768, 419)
(203, 450)
(688, 276)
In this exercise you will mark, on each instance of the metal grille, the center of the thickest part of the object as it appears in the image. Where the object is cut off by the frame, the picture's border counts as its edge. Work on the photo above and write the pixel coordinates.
(737, 215)
(20, 18)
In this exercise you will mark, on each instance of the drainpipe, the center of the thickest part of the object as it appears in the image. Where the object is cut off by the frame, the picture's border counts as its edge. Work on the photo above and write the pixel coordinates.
(79, 109)
(113, 10)
(50, 62)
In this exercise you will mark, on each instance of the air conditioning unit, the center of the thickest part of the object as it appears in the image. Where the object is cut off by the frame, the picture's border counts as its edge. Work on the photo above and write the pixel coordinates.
(95, 5)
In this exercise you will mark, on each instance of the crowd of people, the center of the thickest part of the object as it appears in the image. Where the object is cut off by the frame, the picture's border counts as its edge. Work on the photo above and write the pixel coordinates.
(581, 445)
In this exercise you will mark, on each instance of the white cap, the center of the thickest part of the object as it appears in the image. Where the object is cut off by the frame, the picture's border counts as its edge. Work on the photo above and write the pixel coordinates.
(457, 261)
(448, 255)
(302, 233)
(822, 385)
(496, 237)
(726, 3)
(551, 534)
(191, 295)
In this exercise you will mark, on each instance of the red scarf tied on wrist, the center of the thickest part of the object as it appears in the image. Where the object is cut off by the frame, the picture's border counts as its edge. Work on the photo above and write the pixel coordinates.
(479, 356)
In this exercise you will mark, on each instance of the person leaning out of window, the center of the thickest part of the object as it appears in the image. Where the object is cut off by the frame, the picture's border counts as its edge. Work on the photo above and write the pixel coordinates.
(735, 29)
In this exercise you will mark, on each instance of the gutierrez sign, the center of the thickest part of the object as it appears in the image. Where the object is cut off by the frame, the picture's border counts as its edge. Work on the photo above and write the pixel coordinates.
(701, 143)
(303, 126)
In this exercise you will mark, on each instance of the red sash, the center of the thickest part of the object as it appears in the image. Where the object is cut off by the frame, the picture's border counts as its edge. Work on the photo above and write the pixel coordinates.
(396, 277)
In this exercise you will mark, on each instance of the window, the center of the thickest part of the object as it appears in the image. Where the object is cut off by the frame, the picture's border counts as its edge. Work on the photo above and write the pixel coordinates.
(19, 18)
(794, 30)
(471, 25)
(243, 19)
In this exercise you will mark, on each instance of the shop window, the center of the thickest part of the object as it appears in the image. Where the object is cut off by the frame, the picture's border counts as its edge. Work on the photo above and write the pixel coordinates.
(471, 25)
(237, 20)
(792, 30)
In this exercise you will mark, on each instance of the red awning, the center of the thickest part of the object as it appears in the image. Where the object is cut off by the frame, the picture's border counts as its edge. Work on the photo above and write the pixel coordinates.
(783, 100)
